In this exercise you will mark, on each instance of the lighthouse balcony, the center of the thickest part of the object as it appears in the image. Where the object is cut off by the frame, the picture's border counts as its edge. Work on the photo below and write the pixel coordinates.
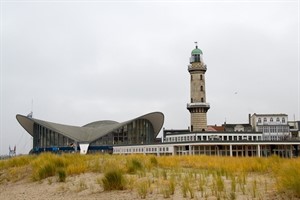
(198, 67)
(198, 105)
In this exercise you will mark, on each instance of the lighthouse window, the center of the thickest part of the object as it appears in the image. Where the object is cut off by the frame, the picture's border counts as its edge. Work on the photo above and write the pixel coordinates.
(201, 88)
(200, 76)
(202, 100)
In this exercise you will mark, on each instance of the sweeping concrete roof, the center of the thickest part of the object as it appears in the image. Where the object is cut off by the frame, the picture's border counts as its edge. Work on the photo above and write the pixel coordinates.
(92, 131)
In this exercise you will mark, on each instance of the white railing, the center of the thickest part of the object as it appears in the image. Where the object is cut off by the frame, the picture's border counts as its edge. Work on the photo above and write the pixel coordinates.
(198, 104)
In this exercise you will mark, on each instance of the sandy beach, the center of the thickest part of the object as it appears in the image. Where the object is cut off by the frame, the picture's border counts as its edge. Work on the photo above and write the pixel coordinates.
(85, 186)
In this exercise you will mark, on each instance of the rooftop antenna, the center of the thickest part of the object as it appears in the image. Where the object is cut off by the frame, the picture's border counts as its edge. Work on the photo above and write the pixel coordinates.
(196, 43)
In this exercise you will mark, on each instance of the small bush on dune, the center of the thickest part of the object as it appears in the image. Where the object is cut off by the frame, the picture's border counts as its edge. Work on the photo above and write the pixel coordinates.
(114, 180)
(113, 163)
(153, 161)
(61, 175)
(16, 162)
(288, 177)
(143, 188)
(47, 165)
(134, 165)
(45, 171)
(78, 168)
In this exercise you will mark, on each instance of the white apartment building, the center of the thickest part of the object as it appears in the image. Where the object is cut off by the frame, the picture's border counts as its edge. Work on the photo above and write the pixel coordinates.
(294, 129)
(273, 126)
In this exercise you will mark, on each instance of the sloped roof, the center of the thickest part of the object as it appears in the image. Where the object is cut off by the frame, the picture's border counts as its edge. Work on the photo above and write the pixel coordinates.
(92, 131)
(215, 128)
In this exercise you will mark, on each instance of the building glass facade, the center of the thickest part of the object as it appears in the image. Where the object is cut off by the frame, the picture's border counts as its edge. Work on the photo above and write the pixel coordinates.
(44, 138)
(137, 132)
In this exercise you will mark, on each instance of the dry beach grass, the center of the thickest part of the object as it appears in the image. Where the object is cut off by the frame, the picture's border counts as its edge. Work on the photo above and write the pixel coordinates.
(74, 176)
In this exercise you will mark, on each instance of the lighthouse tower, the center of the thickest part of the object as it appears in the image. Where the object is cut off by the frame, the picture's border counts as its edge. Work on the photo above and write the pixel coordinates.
(198, 106)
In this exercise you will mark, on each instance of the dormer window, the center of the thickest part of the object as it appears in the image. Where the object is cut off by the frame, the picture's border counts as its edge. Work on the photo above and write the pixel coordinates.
(265, 119)
(271, 119)
(277, 119)
(259, 120)
(283, 120)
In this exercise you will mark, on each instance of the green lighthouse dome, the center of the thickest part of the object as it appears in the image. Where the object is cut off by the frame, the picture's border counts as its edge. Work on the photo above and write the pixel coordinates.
(196, 51)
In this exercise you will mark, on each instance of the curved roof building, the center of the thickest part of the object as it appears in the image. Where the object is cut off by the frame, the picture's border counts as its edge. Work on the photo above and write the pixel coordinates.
(95, 136)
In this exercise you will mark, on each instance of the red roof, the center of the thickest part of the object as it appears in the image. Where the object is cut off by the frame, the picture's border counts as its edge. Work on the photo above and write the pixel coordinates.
(215, 128)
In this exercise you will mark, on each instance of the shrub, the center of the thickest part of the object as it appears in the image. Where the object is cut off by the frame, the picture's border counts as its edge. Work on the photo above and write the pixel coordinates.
(81, 186)
(46, 165)
(45, 171)
(172, 185)
(61, 175)
(114, 180)
(134, 165)
(143, 188)
(168, 187)
(187, 188)
(288, 177)
(153, 161)
(16, 162)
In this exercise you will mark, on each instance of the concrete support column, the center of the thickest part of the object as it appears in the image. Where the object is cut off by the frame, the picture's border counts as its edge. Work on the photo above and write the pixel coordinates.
(246, 151)
(230, 150)
(291, 151)
(190, 150)
(258, 150)
(83, 148)
(285, 152)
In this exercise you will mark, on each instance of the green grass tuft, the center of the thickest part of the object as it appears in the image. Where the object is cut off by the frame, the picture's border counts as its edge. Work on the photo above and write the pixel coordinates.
(61, 175)
(114, 180)
(134, 165)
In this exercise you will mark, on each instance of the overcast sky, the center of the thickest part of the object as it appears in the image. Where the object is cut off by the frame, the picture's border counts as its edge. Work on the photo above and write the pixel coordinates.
(84, 61)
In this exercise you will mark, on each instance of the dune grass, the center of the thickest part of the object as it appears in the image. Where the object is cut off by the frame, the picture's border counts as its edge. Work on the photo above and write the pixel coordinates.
(114, 180)
(193, 176)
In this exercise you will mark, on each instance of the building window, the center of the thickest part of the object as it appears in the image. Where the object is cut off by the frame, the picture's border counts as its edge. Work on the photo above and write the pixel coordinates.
(201, 88)
(271, 119)
(266, 129)
(265, 119)
(202, 100)
(201, 77)
(283, 120)
(277, 119)
(259, 120)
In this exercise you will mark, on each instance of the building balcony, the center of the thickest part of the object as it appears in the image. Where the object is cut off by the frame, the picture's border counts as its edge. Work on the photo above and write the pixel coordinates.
(271, 123)
(198, 105)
